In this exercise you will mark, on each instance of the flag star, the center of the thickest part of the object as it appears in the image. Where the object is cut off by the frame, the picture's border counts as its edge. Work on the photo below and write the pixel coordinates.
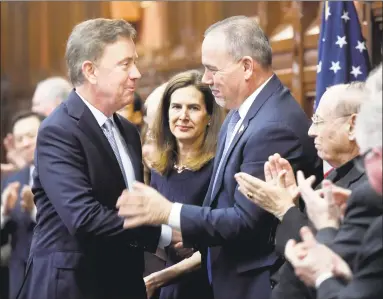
(323, 39)
(335, 66)
(328, 13)
(319, 67)
(361, 46)
(345, 16)
(341, 41)
(356, 71)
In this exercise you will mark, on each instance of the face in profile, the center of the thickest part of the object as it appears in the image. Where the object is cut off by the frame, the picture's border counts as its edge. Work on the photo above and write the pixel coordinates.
(330, 133)
(25, 135)
(116, 73)
(222, 73)
(188, 117)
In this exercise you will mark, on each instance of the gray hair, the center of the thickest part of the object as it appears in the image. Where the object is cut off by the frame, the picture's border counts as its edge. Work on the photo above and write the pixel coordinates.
(368, 129)
(349, 98)
(53, 89)
(244, 37)
(88, 40)
(374, 80)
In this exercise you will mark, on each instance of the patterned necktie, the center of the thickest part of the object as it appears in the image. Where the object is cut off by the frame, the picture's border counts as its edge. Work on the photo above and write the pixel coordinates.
(234, 119)
(107, 127)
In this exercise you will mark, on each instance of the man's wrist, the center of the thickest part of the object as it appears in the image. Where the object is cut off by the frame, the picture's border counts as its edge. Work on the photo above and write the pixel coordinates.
(326, 223)
(284, 211)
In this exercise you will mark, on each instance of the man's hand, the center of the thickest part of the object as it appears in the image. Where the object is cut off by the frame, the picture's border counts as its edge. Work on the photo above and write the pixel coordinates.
(143, 205)
(9, 197)
(272, 196)
(320, 207)
(27, 203)
(312, 259)
(279, 172)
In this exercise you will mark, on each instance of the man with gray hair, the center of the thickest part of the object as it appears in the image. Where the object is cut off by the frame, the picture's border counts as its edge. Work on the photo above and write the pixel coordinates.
(235, 236)
(86, 156)
(49, 93)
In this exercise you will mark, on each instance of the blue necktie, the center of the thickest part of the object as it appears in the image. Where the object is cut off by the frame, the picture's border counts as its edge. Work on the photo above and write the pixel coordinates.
(235, 117)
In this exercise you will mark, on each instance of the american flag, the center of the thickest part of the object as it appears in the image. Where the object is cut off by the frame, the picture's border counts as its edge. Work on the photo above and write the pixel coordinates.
(342, 53)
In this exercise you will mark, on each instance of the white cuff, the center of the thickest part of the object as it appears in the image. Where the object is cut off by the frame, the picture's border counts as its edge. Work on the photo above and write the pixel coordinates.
(34, 213)
(4, 218)
(166, 236)
(175, 216)
(321, 278)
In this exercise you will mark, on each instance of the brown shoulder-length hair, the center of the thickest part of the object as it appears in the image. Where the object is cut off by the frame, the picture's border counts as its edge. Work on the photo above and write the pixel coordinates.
(166, 144)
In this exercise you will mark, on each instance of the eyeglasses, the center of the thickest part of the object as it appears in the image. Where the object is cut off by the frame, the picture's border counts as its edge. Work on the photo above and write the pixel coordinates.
(359, 161)
(316, 119)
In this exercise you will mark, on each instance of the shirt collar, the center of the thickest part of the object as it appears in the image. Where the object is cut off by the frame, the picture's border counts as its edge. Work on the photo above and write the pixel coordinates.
(98, 115)
(245, 107)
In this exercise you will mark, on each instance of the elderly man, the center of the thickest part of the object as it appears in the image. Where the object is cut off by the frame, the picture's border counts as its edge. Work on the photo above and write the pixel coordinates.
(235, 236)
(330, 274)
(334, 131)
(86, 155)
(48, 95)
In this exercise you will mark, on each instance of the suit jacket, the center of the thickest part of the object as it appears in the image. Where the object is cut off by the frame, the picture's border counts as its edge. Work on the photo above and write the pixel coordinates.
(363, 207)
(20, 228)
(79, 247)
(367, 270)
(239, 233)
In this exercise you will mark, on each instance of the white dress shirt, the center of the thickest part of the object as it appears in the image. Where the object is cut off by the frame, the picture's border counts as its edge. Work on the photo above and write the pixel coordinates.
(175, 214)
(166, 232)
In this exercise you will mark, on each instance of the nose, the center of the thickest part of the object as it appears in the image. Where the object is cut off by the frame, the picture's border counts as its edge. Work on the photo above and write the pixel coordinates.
(184, 114)
(312, 130)
(207, 78)
(135, 73)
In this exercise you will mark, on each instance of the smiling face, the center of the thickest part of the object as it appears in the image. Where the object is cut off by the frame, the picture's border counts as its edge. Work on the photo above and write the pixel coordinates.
(223, 74)
(25, 136)
(188, 117)
(115, 75)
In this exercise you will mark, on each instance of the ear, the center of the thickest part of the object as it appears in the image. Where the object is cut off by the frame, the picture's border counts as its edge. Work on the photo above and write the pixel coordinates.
(90, 71)
(248, 66)
(351, 127)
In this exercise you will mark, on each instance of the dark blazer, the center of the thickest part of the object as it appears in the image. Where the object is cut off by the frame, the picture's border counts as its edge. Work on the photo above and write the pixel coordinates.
(79, 247)
(363, 207)
(238, 232)
(367, 270)
(20, 228)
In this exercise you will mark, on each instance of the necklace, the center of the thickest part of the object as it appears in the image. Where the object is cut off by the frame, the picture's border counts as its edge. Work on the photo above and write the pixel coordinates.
(180, 168)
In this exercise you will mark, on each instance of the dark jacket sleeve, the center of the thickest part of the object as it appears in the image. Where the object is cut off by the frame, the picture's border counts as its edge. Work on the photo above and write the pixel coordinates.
(289, 228)
(363, 208)
(62, 173)
(204, 226)
(368, 272)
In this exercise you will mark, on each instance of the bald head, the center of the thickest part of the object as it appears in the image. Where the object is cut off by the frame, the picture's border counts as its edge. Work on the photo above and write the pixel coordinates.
(49, 94)
(342, 99)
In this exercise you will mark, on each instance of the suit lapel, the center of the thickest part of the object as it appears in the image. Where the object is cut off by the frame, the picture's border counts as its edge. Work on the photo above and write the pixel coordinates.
(88, 124)
(259, 101)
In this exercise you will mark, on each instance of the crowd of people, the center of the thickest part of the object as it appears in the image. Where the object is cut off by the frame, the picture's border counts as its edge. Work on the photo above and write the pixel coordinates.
(212, 187)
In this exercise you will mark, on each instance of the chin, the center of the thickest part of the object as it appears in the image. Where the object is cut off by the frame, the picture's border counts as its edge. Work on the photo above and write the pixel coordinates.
(221, 102)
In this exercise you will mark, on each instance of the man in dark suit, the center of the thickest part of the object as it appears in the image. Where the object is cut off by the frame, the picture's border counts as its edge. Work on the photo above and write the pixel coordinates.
(18, 213)
(235, 236)
(332, 275)
(86, 156)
